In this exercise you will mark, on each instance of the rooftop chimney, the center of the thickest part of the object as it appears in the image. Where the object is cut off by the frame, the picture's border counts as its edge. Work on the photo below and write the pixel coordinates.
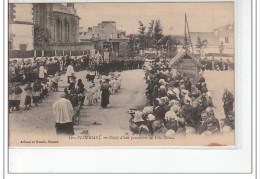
(90, 29)
(70, 5)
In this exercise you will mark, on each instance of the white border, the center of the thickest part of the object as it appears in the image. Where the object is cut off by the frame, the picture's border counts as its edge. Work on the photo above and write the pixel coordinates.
(156, 160)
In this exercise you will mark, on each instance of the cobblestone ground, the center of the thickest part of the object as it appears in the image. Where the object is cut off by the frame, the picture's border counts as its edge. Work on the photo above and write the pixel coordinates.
(39, 121)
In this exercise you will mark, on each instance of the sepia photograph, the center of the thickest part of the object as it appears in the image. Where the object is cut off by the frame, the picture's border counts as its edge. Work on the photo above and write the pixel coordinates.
(121, 74)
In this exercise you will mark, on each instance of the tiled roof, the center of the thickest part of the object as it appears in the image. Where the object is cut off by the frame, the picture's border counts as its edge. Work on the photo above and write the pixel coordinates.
(181, 54)
(102, 32)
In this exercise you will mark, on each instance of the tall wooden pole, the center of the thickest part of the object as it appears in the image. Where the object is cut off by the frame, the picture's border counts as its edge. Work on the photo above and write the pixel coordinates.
(189, 33)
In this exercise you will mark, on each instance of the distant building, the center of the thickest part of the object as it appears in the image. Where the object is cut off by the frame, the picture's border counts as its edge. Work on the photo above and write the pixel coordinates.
(106, 36)
(60, 19)
(20, 36)
(223, 34)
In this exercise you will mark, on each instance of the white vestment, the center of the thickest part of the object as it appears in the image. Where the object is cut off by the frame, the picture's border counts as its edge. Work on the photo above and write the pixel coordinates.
(63, 111)
(41, 72)
(70, 70)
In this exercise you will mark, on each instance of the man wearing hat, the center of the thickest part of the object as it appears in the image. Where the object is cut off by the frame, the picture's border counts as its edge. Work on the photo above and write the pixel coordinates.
(201, 80)
(63, 112)
(187, 84)
(228, 100)
(213, 124)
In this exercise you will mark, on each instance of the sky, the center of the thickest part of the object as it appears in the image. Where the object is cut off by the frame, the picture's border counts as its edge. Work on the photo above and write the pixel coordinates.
(202, 17)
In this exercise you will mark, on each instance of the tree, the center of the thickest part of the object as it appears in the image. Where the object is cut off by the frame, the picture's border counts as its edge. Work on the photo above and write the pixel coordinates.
(169, 44)
(132, 45)
(141, 33)
(150, 35)
(205, 43)
(158, 33)
(42, 36)
(201, 45)
(141, 28)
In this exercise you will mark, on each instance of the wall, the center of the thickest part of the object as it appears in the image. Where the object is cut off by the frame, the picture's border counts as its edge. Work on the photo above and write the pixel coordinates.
(23, 12)
(71, 47)
(230, 43)
(23, 34)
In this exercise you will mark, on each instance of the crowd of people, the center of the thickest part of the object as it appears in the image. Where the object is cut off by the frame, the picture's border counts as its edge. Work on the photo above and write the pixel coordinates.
(176, 105)
(30, 80)
(31, 93)
(67, 109)
(218, 65)
(24, 71)
(179, 106)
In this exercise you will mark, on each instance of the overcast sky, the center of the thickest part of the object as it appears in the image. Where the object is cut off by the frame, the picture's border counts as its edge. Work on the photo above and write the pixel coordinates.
(202, 17)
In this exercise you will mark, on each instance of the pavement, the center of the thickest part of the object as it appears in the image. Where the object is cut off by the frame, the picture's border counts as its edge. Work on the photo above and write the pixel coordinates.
(39, 121)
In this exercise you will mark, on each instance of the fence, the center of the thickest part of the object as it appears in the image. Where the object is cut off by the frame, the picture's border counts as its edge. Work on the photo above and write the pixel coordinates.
(46, 53)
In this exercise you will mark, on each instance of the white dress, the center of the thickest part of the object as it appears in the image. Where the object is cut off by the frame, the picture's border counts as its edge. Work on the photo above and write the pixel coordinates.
(41, 72)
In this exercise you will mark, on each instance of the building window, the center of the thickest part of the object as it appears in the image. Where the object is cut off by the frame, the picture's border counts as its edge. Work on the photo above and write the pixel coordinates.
(226, 40)
(23, 47)
(67, 31)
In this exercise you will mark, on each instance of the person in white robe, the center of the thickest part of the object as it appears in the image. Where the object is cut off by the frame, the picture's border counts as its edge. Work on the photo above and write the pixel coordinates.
(70, 71)
(63, 112)
(41, 72)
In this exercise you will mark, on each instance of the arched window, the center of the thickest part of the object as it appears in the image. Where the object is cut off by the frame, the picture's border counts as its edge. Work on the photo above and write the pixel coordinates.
(67, 30)
(57, 30)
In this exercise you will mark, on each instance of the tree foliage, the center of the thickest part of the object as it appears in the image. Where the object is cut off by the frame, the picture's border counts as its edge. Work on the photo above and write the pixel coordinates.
(141, 34)
(152, 37)
(141, 28)
(201, 45)
(158, 33)
(154, 34)
(132, 45)
(42, 36)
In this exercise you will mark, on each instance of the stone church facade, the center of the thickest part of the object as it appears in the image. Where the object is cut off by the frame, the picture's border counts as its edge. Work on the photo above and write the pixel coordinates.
(61, 20)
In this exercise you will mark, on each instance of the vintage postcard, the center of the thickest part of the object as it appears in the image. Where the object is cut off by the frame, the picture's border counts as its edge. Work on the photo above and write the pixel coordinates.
(121, 74)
